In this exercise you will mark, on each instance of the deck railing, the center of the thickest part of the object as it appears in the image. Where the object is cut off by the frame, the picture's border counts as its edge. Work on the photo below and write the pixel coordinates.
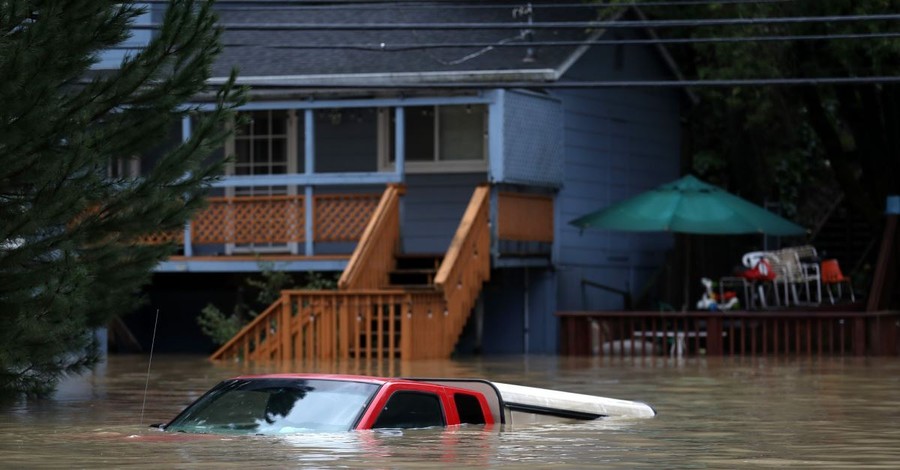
(775, 333)
(275, 219)
(339, 325)
(373, 257)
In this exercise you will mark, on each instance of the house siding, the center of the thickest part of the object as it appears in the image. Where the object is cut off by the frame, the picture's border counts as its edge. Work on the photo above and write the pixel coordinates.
(618, 142)
(533, 140)
(433, 207)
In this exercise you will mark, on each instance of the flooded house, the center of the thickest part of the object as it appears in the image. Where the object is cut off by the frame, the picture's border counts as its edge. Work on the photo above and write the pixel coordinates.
(433, 168)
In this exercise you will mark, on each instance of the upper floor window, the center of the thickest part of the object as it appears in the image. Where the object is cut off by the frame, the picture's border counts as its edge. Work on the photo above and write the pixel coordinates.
(439, 138)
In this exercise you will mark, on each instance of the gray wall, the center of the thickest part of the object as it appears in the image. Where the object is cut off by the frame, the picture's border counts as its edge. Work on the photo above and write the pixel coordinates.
(433, 207)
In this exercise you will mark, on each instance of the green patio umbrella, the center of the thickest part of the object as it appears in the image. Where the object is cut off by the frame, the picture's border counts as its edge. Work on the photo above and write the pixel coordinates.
(689, 206)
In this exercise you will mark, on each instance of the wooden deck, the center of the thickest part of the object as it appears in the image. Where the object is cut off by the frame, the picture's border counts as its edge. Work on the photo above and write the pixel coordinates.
(733, 333)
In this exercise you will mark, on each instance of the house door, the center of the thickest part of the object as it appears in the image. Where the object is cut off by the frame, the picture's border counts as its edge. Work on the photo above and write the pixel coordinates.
(265, 145)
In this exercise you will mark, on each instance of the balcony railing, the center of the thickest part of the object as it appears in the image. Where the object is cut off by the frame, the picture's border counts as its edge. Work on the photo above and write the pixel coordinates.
(274, 220)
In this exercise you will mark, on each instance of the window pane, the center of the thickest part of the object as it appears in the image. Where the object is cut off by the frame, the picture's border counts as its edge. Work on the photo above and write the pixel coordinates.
(279, 150)
(461, 132)
(279, 122)
(411, 410)
(469, 409)
(242, 150)
(260, 122)
(419, 134)
(346, 140)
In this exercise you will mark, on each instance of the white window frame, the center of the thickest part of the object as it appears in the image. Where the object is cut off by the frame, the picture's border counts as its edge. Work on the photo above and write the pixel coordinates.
(385, 136)
(291, 141)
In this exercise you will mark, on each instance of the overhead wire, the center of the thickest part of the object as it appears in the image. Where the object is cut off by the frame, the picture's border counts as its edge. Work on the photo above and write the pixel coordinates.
(405, 47)
(537, 25)
(624, 24)
(295, 5)
(588, 84)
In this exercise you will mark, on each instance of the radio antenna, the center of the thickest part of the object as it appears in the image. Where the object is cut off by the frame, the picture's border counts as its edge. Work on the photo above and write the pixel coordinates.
(147, 383)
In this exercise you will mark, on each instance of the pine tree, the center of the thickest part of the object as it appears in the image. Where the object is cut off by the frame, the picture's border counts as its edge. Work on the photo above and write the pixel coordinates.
(71, 256)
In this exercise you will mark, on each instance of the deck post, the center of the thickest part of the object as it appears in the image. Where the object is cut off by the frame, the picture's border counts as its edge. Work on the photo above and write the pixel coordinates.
(284, 328)
(714, 335)
(185, 136)
(859, 336)
(308, 169)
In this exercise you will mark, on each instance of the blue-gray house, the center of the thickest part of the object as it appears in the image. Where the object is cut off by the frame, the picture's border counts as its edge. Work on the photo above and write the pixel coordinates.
(435, 169)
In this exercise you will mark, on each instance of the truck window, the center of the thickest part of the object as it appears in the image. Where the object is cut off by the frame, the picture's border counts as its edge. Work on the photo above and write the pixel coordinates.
(408, 409)
(469, 409)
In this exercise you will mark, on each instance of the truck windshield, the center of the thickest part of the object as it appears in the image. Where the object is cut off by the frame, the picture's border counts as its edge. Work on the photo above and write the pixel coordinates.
(276, 406)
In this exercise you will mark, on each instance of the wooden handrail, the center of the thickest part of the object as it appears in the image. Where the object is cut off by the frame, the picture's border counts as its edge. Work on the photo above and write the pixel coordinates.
(246, 329)
(374, 254)
(465, 267)
(475, 212)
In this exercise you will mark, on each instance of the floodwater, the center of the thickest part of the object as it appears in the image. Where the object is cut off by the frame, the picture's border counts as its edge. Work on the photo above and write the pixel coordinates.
(765, 413)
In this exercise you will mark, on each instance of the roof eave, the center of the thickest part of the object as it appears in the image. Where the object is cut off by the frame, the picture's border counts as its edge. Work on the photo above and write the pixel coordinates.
(399, 78)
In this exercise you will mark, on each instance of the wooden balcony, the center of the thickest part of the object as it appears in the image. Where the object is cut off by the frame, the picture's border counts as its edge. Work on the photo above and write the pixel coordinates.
(232, 229)
(740, 333)
(367, 318)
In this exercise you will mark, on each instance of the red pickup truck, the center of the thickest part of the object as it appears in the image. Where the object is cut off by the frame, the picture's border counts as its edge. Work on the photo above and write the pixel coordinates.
(293, 403)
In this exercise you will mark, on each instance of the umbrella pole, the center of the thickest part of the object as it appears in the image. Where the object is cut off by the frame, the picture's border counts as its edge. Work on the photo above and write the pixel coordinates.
(687, 273)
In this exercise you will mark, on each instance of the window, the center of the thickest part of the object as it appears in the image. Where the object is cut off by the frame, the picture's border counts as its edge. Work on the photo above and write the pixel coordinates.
(439, 138)
(407, 409)
(261, 148)
(469, 409)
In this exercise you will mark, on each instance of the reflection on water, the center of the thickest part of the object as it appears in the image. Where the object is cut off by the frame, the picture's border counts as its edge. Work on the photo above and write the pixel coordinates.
(712, 414)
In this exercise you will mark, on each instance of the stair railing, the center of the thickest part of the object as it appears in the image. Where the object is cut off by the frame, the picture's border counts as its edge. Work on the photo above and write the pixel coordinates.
(373, 257)
(313, 324)
(465, 267)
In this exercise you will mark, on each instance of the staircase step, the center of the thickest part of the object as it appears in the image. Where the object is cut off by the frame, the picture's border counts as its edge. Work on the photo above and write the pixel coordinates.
(421, 276)
(419, 260)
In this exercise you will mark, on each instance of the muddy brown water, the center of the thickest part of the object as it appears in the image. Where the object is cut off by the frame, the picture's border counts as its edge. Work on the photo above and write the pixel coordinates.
(765, 413)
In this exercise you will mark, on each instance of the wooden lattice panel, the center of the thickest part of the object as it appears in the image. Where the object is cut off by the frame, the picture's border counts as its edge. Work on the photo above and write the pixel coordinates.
(159, 238)
(250, 219)
(343, 217)
(213, 224)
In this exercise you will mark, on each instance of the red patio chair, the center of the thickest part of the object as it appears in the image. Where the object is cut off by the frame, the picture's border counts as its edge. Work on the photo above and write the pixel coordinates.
(832, 276)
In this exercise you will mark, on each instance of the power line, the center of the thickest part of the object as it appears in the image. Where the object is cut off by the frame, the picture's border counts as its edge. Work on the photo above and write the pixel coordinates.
(283, 5)
(593, 84)
(276, 5)
(405, 47)
(544, 25)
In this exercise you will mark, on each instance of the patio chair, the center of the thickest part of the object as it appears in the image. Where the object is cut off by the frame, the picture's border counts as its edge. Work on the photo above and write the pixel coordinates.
(754, 280)
(791, 273)
(807, 273)
(832, 276)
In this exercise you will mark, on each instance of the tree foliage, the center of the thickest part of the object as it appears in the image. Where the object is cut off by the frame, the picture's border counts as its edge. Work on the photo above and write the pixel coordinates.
(70, 252)
(221, 327)
(790, 142)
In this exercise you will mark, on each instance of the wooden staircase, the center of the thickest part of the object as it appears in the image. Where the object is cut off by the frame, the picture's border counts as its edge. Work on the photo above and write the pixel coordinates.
(388, 304)
(414, 271)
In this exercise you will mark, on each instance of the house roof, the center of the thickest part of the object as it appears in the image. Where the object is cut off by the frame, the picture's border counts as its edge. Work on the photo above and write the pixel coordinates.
(297, 57)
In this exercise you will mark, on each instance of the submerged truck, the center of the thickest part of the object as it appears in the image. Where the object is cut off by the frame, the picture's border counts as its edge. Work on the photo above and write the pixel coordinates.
(297, 403)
